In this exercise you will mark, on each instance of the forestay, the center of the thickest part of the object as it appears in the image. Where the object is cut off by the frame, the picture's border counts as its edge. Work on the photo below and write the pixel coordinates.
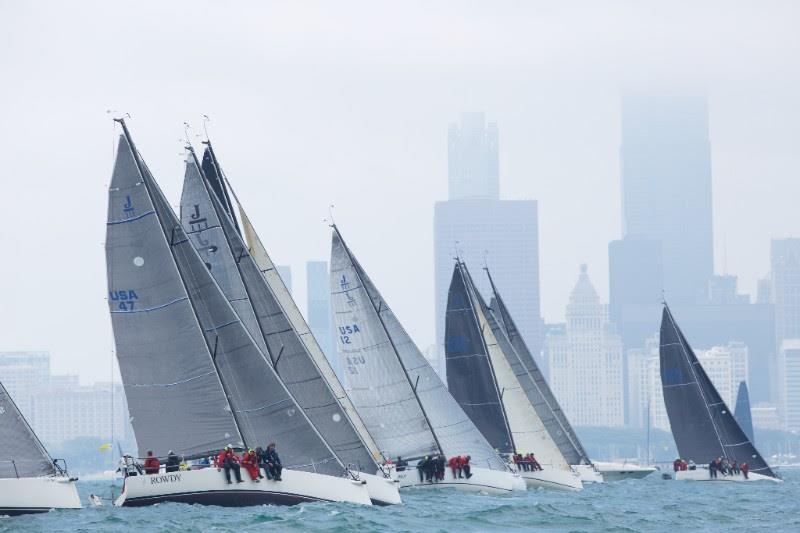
(175, 398)
(451, 427)
(21, 452)
(288, 362)
(702, 425)
(539, 393)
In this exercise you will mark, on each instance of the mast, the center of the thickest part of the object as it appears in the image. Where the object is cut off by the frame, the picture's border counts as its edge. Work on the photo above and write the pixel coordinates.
(211, 350)
(391, 340)
(471, 289)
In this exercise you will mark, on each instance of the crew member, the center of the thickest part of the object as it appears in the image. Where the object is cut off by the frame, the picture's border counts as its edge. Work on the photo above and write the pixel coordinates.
(229, 461)
(455, 466)
(745, 469)
(173, 463)
(440, 462)
(250, 463)
(422, 465)
(464, 463)
(401, 464)
(712, 469)
(535, 466)
(273, 462)
(151, 465)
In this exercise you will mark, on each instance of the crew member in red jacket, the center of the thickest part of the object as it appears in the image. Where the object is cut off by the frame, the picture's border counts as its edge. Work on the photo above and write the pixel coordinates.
(744, 468)
(151, 464)
(229, 461)
(463, 462)
(250, 463)
(455, 466)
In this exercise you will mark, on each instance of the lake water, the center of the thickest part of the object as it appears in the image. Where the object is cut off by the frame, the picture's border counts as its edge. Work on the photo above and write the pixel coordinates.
(651, 504)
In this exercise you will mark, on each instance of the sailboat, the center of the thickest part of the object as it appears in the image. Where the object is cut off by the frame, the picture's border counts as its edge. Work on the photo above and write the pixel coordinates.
(540, 395)
(30, 481)
(271, 317)
(488, 379)
(742, 413)
(403, 402)
(194, 378)
(704, 428)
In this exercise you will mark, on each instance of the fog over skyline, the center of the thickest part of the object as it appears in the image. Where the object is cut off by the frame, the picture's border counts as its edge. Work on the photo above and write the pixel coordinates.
(349, 104)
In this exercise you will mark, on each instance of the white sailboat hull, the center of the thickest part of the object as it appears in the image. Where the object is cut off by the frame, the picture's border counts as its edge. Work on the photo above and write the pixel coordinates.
(620, 471)
(588, 474)
(37, 495)
(382, 490)
(208, 487)
(701, 474)
(482, 480)
(552, 478)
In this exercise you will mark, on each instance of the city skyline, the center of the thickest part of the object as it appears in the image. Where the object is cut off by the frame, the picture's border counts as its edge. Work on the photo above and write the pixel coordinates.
(317, 130)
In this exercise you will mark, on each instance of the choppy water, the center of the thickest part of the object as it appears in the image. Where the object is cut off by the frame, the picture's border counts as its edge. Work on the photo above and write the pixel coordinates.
(645, 505)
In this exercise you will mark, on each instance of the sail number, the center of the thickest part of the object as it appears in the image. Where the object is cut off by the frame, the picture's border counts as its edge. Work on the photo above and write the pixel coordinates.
(346, 331)
(124, 300)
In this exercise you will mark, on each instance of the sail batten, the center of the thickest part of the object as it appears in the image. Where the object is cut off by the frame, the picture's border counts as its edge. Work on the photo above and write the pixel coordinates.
(702, 425)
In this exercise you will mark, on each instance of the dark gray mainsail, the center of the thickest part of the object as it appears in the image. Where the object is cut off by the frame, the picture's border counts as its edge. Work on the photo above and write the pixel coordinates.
(742, 412)
(21, 452)
(217, 240)
(540, 395)
(470, 376)
(259, 406)
(702, 425)
(404, 403)
(216, 179)
(175, 398)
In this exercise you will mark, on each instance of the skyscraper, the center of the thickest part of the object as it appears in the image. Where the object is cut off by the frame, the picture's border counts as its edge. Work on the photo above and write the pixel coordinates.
(666, 185)
(285, 272)
(472, 157)
(319, 310)
(475, 224)
(585, 362)
(785, 287)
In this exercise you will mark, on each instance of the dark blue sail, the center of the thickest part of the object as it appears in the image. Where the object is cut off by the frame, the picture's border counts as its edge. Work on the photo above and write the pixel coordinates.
(742, 413)
(704, 427)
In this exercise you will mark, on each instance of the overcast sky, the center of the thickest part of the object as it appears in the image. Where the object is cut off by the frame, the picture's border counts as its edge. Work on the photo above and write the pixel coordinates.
(349, 103)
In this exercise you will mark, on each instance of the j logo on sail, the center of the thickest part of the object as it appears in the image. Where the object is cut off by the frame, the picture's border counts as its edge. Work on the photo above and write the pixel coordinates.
(127, 207)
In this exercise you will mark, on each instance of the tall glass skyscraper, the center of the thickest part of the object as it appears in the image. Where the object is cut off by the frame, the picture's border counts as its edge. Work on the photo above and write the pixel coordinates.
(319, 310)
(666, 185)
(475, 224)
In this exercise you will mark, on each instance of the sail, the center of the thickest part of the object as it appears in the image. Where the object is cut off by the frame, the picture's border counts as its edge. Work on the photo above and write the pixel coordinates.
(175, 398)
(21, 453)
(516, 386)
(213, 173)
(270, 274)
(742, 412)
(451, 427)
(228, 259)
(539, 393)
(702, 425)
(470, 376)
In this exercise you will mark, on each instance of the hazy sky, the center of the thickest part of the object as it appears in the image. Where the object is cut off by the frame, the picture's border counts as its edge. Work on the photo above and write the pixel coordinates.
(349, 103)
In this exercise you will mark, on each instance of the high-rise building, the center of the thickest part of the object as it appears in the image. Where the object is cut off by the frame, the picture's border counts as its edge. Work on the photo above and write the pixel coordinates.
(502, 234)
(785, 268)
(482, 229)
(666, 185)
(285, 272)
(22, 374)
(789, 372)
(585, 363)
(473, 161)
(319, 311)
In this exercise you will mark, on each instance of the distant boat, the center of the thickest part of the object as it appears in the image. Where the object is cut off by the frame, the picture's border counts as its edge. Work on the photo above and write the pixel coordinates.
(402, 400)
(254, 289)
(495, 388)
(30, 481)
(742, 413)
(194, 378)
(703, 426)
